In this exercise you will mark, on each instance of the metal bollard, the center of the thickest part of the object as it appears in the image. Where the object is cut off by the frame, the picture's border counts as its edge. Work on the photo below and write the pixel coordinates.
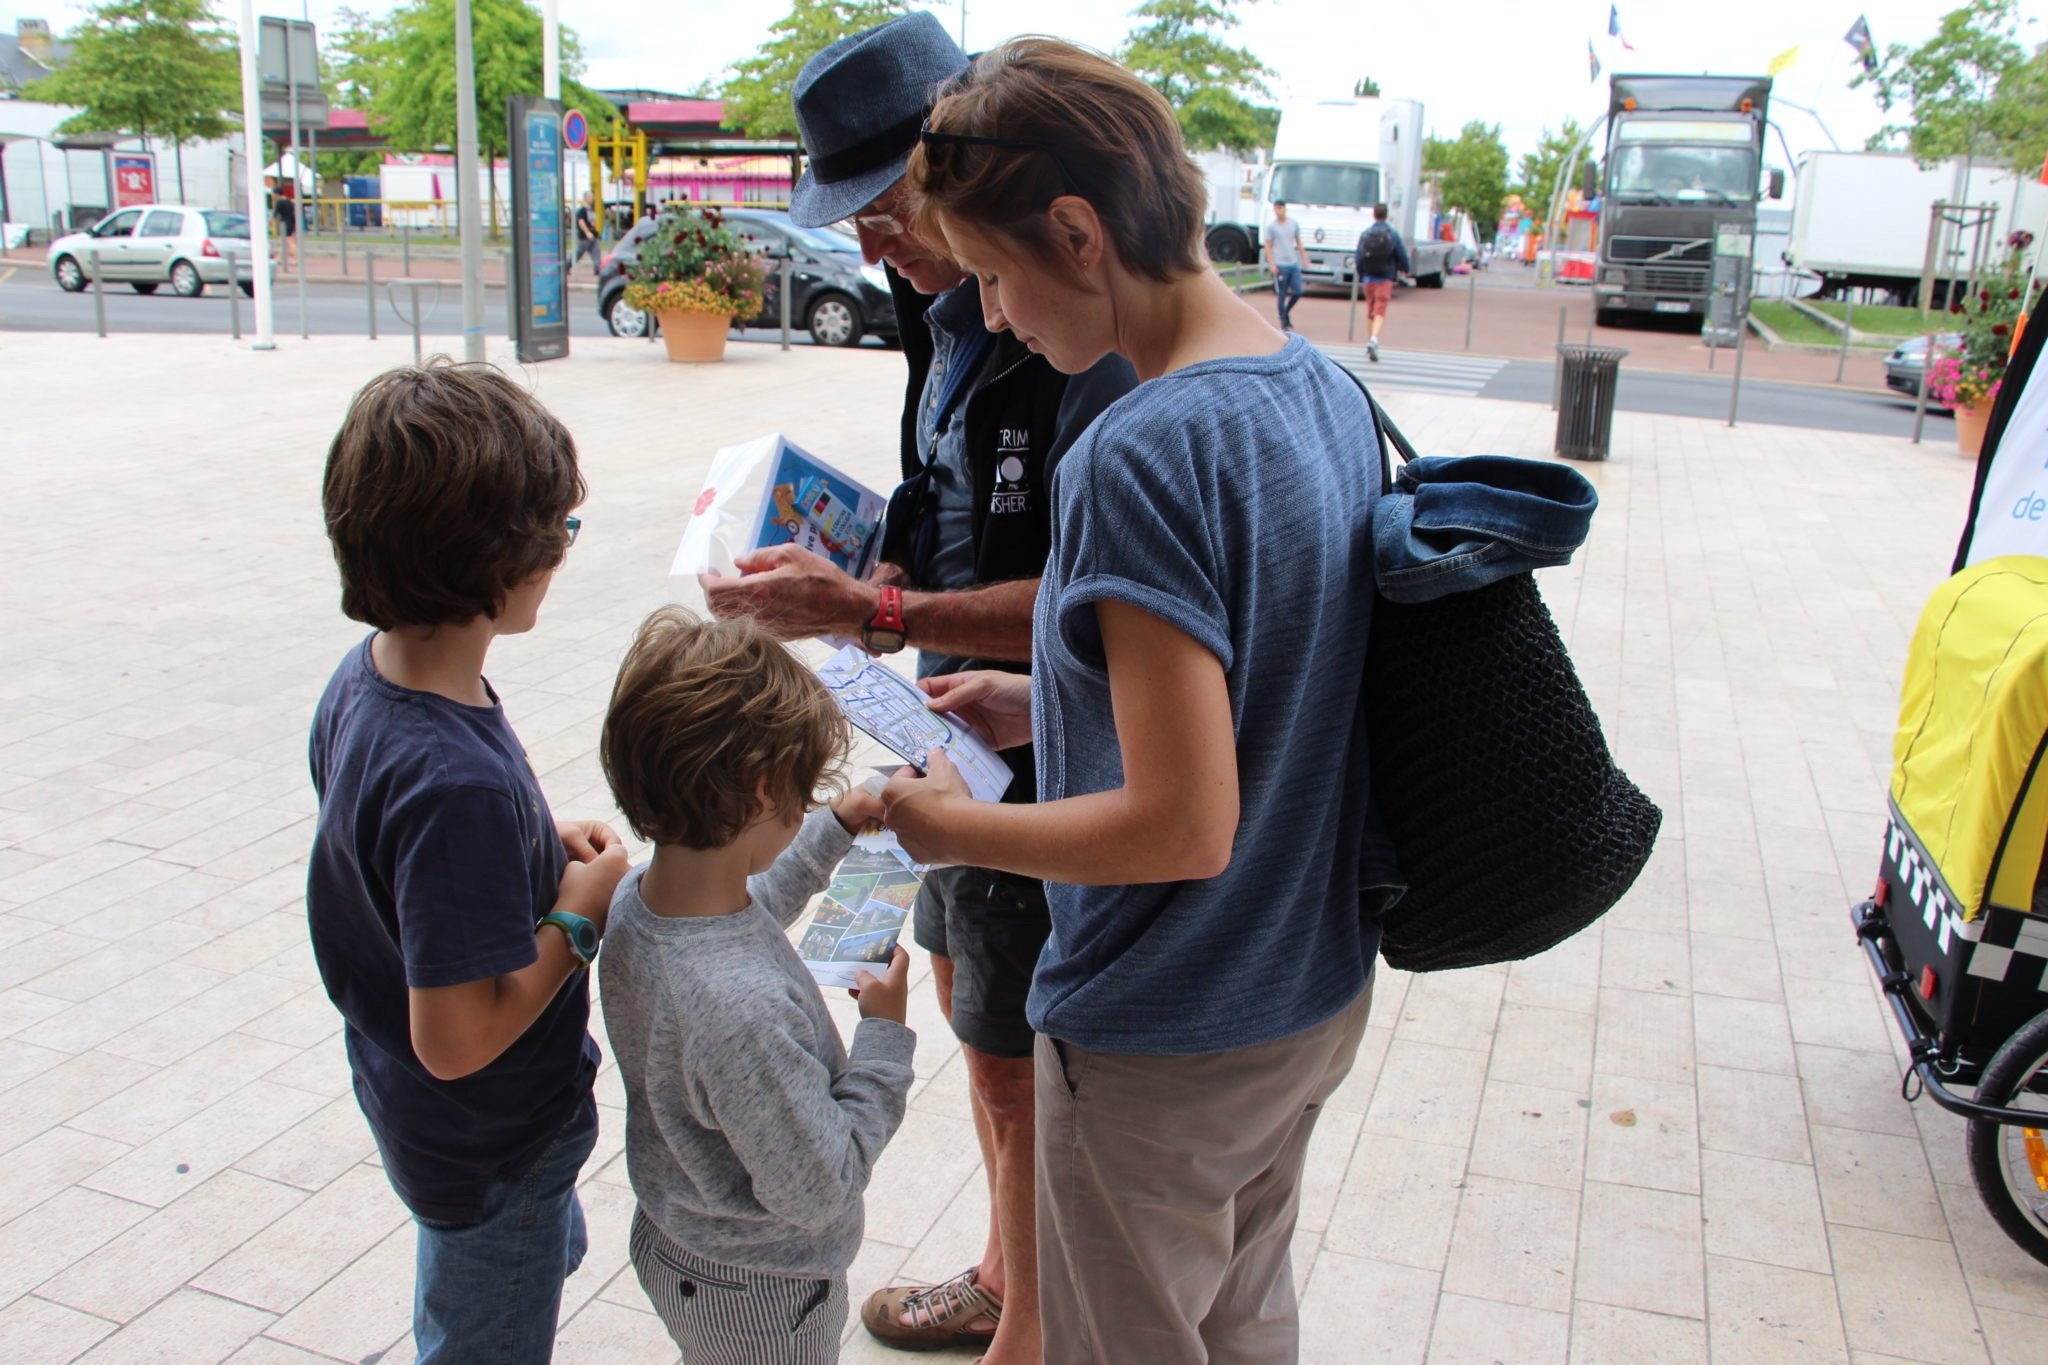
(1471, 295)
(1351, 334)
(1848, 326)
(785, 300)
(1920, 389)
(99, 292)
(343, 234)
(370, 287)
(405, 245)
(1735, 388)
(1557, 367)
(234, 293)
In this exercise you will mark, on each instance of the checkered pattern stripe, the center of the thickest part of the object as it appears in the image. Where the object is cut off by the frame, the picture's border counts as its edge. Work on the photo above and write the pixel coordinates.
(2014, 948)
(1915, 873)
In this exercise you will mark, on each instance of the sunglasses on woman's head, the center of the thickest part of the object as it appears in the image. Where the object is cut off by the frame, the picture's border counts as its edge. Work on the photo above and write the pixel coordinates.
(927, 134)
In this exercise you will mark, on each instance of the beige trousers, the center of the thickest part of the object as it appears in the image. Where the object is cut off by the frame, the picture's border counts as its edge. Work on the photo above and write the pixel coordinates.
(1167, 1194)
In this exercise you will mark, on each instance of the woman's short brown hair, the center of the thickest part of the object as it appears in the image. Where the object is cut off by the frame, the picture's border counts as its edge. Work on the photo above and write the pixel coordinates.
(1090, 128)
(446, 487)
(705, 717)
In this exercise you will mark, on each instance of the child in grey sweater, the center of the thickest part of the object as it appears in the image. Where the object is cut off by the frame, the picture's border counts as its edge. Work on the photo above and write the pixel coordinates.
(750, 1130)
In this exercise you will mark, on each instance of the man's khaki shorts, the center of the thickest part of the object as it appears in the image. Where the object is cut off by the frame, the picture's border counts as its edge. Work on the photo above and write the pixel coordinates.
(1378, 294)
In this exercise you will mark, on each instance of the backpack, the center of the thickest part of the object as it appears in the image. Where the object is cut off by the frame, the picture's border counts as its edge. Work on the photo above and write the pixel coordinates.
(1376, 252)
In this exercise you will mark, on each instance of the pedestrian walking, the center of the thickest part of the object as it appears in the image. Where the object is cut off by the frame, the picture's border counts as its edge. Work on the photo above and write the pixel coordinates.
(1382, 258)
(1283, 257)
(587, 240)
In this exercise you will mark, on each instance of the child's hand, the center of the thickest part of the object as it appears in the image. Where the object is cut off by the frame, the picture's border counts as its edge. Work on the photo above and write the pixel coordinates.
(858, 809)
(886, 996)
(587, 886)
(585, 839)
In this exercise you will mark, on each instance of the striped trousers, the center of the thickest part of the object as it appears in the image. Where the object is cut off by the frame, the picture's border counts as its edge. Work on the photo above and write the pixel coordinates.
(720, 1315)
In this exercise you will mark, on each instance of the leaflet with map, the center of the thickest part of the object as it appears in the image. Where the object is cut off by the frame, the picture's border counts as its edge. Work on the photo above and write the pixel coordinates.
(771, 491)
(886, 705)
(861, 914)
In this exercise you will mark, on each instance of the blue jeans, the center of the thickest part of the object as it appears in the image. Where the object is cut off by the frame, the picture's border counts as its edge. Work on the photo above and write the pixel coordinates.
(488, 1293)
(1454, 523)
(1286, 289)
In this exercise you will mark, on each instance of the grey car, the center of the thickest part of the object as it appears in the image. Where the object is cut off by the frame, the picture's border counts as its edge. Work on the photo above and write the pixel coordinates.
(1908, 361)
(151, 245)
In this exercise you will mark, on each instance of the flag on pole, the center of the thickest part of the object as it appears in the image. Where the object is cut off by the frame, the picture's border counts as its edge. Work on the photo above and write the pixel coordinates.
(1783, 61)
(1614, 27)
(1592, 60)
(1858, 37)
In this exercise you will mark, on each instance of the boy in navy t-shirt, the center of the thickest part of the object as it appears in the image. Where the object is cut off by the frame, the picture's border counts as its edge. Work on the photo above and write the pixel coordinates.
(452, 917)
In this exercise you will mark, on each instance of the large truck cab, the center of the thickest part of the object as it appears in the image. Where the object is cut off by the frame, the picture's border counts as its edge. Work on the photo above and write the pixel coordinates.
(1332, 161)
(1684, 165)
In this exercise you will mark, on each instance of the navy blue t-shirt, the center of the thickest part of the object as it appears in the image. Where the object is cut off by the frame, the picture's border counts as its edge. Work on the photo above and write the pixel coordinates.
(434, 857)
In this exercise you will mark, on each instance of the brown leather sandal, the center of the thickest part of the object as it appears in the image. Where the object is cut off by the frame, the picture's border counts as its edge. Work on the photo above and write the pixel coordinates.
(938, 1314)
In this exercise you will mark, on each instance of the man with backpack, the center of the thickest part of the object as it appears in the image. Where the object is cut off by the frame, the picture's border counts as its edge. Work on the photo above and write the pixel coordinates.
(1382, 257)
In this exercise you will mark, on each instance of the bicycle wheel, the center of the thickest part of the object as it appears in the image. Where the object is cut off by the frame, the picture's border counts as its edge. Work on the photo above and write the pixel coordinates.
(2009, 1162)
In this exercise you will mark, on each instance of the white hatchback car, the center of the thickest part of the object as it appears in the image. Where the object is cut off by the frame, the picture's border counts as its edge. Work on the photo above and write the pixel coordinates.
(153, 244)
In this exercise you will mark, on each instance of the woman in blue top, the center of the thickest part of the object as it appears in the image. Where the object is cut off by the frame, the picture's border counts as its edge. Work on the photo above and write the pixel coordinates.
(1198, 652)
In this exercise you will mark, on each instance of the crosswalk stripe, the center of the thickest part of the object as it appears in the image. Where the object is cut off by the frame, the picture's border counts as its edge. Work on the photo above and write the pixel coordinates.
(1410, 370)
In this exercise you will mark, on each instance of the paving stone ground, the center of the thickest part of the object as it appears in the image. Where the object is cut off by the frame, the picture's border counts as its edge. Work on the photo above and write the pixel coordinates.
(1677, 1137)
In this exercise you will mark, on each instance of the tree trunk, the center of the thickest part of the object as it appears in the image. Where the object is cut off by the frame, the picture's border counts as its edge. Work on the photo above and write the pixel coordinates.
(178, 151)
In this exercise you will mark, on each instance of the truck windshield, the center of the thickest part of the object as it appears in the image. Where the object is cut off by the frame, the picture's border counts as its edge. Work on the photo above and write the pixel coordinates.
(1678, 174)
(1307, 182)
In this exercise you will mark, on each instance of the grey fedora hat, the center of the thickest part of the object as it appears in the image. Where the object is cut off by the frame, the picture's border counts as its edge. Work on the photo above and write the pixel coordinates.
(859, 104)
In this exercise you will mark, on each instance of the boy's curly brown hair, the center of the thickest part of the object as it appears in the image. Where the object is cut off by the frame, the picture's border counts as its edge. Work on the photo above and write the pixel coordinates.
(446, 487)
(707, 718)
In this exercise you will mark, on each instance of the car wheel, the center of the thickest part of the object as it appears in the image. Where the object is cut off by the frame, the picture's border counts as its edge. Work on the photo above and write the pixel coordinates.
(249, 288)
(185, 281)
(143, 286)
(1435, 281)
(70, 275)
(1228, 246)
(834, 321)
(625, 321)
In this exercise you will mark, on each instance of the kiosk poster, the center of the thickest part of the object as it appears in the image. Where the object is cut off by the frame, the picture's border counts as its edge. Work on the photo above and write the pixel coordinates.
(2009, 510)
(134, 179)
(539, 278)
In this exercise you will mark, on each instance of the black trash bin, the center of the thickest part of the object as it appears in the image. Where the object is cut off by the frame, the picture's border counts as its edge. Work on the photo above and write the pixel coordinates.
(1585, 402)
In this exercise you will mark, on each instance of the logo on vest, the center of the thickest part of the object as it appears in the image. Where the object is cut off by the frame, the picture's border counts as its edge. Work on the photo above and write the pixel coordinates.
(1013, 491)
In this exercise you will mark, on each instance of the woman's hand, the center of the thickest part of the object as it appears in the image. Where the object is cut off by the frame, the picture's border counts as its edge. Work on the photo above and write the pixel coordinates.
(996, 704)
(918, 809)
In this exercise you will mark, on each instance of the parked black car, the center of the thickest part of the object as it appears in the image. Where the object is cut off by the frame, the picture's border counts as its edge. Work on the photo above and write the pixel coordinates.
(835, 295)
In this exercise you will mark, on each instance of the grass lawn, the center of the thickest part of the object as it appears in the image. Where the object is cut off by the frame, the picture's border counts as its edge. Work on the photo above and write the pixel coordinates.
(1793, 326)
(1880, 319)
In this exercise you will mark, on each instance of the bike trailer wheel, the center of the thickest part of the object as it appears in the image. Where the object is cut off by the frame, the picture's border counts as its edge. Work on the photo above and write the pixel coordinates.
(2008, 1162)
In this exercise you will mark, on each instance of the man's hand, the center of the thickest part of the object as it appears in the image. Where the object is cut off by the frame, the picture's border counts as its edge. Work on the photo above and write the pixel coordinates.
(918, 807)
(996, 704)
(793, 593)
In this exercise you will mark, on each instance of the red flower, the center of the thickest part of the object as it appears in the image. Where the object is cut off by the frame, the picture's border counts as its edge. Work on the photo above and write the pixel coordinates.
(1955, 308)
(2012, 293)
(1998, 329)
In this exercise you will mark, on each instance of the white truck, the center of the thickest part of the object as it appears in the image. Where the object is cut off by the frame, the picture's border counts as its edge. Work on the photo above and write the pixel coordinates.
(1860, 219)
(1332, 161)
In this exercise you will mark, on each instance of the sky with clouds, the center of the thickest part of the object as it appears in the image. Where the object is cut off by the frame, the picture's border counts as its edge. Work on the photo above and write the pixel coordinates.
(1521, 64)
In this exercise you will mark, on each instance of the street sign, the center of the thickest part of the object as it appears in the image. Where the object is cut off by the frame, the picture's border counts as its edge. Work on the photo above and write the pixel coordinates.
(575, 130)
(288, 65)
(539, 277)
(134, 178)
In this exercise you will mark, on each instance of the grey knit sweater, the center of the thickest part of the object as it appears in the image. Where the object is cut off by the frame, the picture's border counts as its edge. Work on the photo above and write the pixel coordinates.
(750, 1131)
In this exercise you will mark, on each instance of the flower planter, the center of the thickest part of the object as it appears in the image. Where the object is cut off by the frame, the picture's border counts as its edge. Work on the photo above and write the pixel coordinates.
(1970, 424)
(694, 338)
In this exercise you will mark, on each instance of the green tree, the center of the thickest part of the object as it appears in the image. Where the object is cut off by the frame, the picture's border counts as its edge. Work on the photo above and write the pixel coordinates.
(1537, 173)
(153, 68)
(1365, 88)
(1474, 166)
(401, 70)
(1948, 86)
(757, 96)
(2020, 114)
(1179, 50)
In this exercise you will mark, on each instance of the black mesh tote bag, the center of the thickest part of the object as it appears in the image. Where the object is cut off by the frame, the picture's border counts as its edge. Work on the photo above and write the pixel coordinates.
(1513, 827)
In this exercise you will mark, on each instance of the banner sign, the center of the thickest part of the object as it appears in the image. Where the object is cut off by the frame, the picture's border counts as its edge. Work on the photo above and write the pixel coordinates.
(134, 178)
(2009, 510)
(539, 275)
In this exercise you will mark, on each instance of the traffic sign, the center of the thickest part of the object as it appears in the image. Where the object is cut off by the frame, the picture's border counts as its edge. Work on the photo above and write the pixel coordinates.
(575, 130)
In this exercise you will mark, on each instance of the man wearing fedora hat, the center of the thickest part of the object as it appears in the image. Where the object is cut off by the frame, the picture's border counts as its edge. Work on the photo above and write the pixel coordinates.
(985, 422)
